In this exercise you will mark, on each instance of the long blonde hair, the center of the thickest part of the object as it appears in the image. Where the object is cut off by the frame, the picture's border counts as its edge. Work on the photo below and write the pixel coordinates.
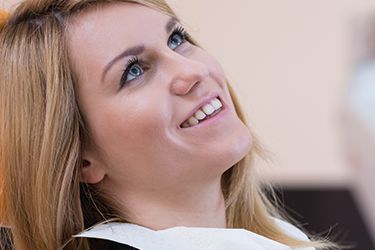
(42, 133)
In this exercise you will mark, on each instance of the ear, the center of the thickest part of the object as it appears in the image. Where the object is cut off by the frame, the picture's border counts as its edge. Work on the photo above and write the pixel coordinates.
(92, 171)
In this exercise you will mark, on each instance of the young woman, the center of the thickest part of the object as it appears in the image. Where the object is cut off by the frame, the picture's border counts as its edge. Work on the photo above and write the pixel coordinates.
(111, 111)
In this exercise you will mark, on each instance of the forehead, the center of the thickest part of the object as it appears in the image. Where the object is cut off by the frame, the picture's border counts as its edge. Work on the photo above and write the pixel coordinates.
(116, 15)
(104, 31)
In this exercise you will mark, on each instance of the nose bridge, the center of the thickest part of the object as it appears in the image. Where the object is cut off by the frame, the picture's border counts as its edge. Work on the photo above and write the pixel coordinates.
(184, 72)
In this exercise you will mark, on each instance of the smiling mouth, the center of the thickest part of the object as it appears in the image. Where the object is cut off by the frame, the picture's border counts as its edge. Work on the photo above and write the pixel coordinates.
(204, 113)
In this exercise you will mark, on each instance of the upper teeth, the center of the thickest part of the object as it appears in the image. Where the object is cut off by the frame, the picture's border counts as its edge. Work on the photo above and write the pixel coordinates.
(205, 110)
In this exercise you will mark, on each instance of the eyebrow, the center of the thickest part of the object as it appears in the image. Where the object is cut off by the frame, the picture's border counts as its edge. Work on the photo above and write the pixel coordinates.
(136, 50)
(170, 24)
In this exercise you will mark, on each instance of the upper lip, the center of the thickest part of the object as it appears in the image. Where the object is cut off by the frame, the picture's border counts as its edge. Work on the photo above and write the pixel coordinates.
(204, 101)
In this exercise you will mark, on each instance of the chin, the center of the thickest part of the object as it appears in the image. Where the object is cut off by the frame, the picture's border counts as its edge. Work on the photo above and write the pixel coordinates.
(235, 148)
(240, 146)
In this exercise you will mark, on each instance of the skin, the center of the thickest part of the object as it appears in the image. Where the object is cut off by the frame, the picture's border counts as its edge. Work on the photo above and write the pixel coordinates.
(161, 174)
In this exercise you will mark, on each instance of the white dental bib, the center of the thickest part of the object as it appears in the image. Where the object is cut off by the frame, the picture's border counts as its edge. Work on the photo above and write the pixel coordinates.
(187, 238)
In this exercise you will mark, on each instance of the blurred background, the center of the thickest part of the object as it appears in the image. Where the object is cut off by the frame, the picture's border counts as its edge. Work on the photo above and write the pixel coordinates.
(305, 73)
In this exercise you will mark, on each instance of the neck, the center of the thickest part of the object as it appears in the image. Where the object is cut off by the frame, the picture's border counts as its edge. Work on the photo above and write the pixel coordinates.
(190, 206)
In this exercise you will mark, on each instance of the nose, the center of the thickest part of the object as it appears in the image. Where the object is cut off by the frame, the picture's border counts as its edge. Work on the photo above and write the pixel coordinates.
(186, 73)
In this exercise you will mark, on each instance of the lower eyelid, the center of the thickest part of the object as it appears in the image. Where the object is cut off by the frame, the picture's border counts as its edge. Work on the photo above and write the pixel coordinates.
(184, 48)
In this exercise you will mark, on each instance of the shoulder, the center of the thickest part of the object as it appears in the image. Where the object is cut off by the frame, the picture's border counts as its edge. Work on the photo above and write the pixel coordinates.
(5, 238)
(119, 246)
(293, 231)
(102, 244)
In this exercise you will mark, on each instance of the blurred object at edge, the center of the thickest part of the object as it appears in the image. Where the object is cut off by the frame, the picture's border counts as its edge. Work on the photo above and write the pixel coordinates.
(359, 119)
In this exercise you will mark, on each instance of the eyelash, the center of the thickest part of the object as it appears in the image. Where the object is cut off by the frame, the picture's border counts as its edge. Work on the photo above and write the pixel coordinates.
(181, 30)
(132, 61)
(135, 60)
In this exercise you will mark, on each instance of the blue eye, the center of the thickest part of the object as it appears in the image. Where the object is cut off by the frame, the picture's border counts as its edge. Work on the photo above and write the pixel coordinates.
(135, 70)
(132, 71)
(177, 38)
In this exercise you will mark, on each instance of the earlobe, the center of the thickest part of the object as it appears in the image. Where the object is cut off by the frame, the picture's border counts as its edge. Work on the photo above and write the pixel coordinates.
(91, 173)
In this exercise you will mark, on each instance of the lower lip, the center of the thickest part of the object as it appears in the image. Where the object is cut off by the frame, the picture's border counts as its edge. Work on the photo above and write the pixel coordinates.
(211, 120)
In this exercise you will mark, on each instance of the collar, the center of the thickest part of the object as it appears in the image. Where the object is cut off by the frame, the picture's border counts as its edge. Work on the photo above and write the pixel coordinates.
(182, 238)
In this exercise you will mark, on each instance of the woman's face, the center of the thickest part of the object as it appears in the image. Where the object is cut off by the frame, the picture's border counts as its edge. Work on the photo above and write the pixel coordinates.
(139, 81)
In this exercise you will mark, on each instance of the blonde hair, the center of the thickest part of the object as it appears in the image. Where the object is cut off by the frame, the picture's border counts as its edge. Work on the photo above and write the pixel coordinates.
(42, 133)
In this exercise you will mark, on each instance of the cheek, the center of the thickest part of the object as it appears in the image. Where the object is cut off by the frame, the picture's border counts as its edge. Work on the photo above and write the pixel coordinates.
(214, 67)
(218, 74)
(133, 123)
(127, 131)
(216, 71)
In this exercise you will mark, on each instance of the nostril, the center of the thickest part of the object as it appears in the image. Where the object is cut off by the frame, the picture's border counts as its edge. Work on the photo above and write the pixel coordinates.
(182, 87)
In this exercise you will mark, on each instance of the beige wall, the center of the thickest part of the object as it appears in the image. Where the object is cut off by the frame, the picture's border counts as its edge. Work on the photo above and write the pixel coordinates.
(290, 63)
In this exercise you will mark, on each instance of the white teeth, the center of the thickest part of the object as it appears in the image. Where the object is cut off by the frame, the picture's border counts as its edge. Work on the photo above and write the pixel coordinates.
(200, 115)
(216, 103)
(208, 109)
(193, 121)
